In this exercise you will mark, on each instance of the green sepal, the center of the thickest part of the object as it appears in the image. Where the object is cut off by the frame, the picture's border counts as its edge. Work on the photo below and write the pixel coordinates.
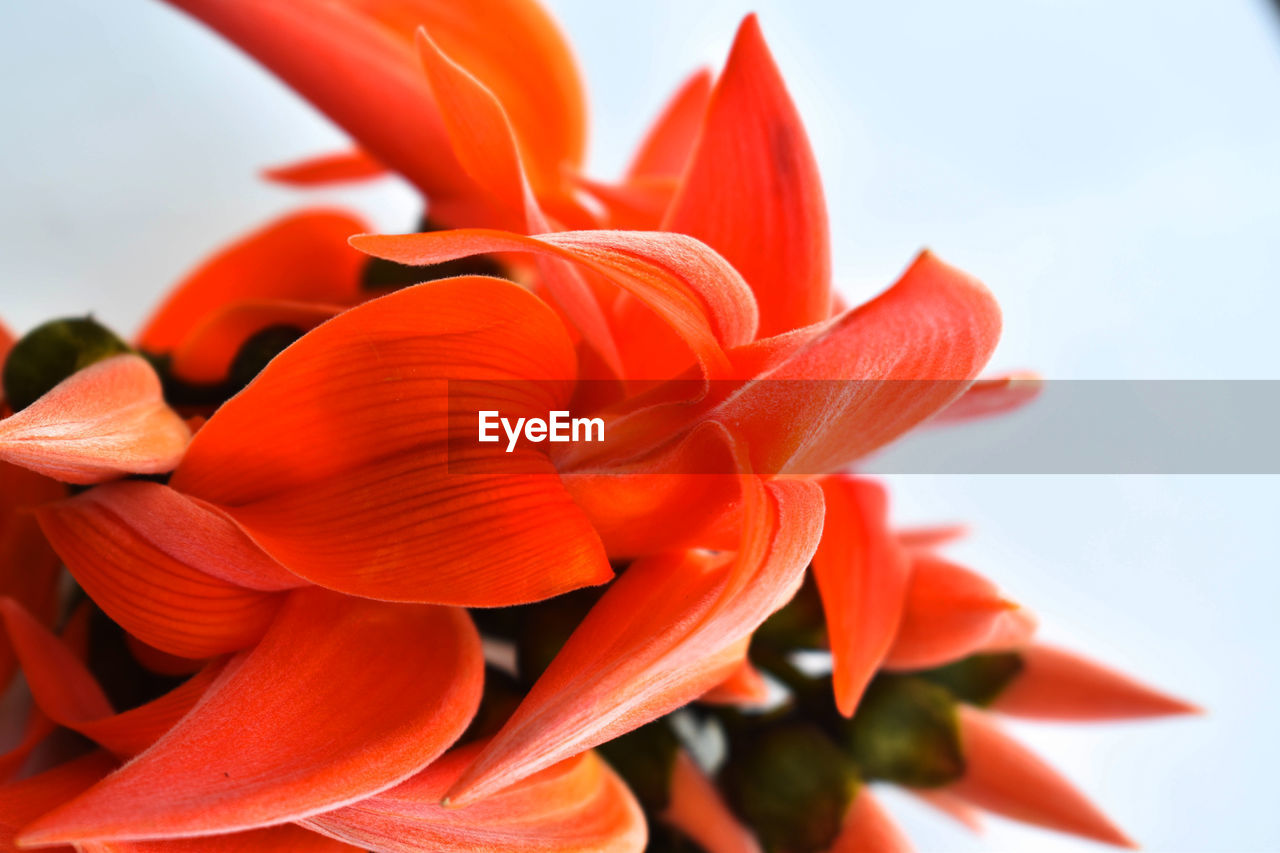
(791, 784)
(978, 679)
(51, 352)
(906, 731)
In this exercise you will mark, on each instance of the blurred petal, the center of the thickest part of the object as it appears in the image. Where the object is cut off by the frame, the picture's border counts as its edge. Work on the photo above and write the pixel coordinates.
(29, 568)
(698, 811)
(950, 612)
(576, 806)
(666, 148)
(340, 446)
(667, 630)
(303, 257)
(102, 422)
(1003, 776)
(691, 288)
(339, 167)
(1054, 684)
(928, 538)
(130, 548)
(745, 688)
(752, 190)
(862, 575)
(207, 353)
(320, 728)
(989, 397)
(950, 805)
(867, 828)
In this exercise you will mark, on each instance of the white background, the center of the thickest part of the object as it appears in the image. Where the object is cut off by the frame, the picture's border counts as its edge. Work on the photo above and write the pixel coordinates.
(1108, 168)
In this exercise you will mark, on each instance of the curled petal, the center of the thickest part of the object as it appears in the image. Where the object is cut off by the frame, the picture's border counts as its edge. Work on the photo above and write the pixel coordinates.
(340, 167)
(102, 422)
(1055, 684)
(752, 190)
(137, 548)
(206, 355)
(576, 806)
(699, 811)
(666, 148)
(318, 727)
(691, 288)
(862, 577)
(665, 632)
(867, 828)
(341, 446)
(1003, 776)
(302, 257)
(949, 613)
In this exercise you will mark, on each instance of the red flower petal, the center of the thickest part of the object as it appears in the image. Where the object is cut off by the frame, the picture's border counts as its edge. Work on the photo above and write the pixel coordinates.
(867, 828)
(666, 631)
(99, 423)
(302, 257)
(752, 190)
(22, 802)
(928, 538)
(317, 726)
(949, 613)
(989, 397)
(698, 811)
(1003, 776)
(699, 296)
(1058, 685)
(138, 549)
(576, 806)
(862, 575)
(206, 354)
(745, 687)
(289, 837)
(668, 144)
(29, 568)
(340, 446)
(339, 167)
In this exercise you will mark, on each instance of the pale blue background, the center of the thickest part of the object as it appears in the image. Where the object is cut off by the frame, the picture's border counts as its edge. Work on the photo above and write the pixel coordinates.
(1108, 168)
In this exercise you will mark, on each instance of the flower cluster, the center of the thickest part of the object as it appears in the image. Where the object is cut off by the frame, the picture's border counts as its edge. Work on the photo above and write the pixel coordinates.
(304, 617)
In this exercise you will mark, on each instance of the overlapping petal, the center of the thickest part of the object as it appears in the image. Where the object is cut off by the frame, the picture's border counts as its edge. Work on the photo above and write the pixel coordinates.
(298, 725)
(753, 193)
(336, 459)
(668, 629)
(29, 568)
(22, 802)
(576, 806)
(665, 149)
(100, 423)
(862, 574)
(302, 257)
(208, 352)
(699, 811)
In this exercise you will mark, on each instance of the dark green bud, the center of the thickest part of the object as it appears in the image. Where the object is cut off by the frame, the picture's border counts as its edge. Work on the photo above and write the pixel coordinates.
(905, 731)
(51, 352)
(979, 679)
(792, 785)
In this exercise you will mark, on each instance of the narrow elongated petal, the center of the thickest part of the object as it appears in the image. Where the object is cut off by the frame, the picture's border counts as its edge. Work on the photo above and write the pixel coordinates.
(302, 257)
(950, 805)
(318, 727)
(949, 613)
(752, 190)
(667, 630)
(290, 837)
(24, 801)
(990, 397)
(340, 446)
(928, 538)
(862, 575)
(745, 687)
(1003, 776)
(668, 144)
(29, 568)
(339, 167)
(692, 290)
(1055, 684)
(206, 355)
(699, 811)
(576, 806)
(126, 549)
(102, 422)
(867, 828)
